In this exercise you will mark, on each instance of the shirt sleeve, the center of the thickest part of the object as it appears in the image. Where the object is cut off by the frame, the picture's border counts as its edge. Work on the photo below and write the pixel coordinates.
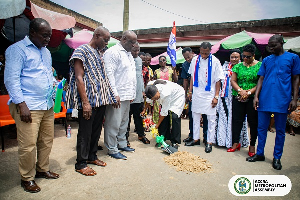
(219, 73)
(296, 65)
(192, 66)
(262, 69)
(14, 64)
(110, 65)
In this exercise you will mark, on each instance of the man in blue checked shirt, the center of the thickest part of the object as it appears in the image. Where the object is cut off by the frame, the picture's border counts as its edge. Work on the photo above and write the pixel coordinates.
(29, 81)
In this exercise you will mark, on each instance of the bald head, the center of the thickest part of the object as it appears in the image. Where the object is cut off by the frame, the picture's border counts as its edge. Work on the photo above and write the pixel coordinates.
(100, 38)
(275, 45)
(129, 38)
(277, 38)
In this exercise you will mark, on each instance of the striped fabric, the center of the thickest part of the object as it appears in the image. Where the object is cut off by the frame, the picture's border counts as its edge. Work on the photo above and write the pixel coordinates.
(97, 86)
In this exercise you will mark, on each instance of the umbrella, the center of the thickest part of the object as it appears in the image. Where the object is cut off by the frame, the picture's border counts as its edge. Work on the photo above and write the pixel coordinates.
(293, 44)
(11, 8)
(179, 56)
(56, 20)
(83, 37)
(238, 40)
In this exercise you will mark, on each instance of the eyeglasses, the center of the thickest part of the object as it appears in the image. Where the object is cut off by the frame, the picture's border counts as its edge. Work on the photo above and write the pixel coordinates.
(162, 60)
(244, 56)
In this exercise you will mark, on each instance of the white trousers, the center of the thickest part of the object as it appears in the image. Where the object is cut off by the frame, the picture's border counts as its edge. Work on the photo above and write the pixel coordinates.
(211, 127)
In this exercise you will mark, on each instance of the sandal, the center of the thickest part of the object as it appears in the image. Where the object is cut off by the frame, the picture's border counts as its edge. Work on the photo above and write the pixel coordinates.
(292, 133)
(87, 171)
(144, 140)
(97, 162)
(128, 143)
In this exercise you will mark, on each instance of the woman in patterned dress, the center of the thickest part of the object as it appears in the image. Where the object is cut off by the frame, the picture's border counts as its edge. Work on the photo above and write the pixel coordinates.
(224, 107)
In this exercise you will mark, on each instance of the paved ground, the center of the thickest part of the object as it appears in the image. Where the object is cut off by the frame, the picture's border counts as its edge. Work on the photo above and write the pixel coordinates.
(145, 175)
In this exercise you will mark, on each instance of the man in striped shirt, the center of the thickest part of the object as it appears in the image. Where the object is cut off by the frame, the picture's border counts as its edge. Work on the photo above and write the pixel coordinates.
(89, 91)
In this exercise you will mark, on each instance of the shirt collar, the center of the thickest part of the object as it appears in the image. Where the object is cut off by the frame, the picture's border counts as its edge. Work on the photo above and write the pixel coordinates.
(121, 47)
(28, 42)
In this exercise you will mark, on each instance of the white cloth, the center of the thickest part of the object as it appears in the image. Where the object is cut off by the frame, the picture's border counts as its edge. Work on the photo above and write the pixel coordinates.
(172, 97)
(202, 99)
(120, 69)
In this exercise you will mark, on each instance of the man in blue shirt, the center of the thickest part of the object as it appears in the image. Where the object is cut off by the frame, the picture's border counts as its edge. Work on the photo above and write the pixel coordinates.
(279, 80)
(188, 55)
(29, 81)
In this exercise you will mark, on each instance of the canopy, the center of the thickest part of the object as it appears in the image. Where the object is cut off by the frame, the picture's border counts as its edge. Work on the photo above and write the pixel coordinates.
(56, 20)
(11, 8)
(179, 56)
(241, 39)
(83, 37)
(238, 41)
(293, 44)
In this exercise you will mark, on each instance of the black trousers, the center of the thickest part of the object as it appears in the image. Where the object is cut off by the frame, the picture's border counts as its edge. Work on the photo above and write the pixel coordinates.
(239, 111)
(135, 110)
(164, 129)
(88, 136)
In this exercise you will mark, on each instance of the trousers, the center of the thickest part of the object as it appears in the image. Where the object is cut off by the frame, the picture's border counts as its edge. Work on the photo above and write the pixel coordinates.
(34, 141)
(115, 127)
(263, 124)
(211, 125)
(88, 136)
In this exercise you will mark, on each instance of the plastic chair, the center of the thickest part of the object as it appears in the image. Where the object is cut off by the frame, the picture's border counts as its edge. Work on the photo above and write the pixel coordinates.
(62, 114)
(5, 117)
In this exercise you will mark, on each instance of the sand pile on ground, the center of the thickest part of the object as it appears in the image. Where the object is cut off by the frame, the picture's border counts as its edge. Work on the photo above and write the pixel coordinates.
(187, 162)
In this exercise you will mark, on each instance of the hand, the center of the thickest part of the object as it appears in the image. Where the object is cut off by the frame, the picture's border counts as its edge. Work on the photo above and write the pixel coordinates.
(243, 94)
(118, 104)
(25, 114)
(143, 113)
(156, 126)
(87, 110)
(255, 103)
(293, 105)
(144, 95)
(214, 102)
(190, 97)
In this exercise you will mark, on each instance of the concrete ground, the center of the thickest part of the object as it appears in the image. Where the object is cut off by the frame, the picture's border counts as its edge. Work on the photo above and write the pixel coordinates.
(145, 175)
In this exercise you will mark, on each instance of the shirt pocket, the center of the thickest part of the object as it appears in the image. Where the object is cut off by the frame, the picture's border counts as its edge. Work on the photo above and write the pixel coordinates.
(284, 71)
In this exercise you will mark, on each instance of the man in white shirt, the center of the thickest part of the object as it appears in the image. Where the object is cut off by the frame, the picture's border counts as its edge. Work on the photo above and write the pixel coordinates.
(206, 72)
(120, 69)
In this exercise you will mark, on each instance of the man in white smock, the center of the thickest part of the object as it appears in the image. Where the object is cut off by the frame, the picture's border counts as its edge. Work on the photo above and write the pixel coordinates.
(207, 73)
(171, 97)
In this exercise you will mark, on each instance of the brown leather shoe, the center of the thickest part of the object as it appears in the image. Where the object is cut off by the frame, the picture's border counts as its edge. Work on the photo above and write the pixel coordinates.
(30, 186)
(47, 175)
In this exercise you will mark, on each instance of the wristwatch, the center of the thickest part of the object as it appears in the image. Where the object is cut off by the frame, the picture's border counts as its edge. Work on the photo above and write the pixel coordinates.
(249, 93)
(239, 89)
(216, 97)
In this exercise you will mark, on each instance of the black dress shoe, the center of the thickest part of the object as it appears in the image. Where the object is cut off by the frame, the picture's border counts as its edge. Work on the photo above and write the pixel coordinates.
(192, 143)
(47, 175)
(188, 139)
(30, 186)
(255, 158)
(276, 164)
(208, 148)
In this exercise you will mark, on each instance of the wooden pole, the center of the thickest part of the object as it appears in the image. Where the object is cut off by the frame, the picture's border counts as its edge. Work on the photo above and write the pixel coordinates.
(126, 15)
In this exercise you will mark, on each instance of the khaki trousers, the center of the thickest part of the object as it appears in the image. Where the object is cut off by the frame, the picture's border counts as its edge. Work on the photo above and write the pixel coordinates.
(34, 141)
